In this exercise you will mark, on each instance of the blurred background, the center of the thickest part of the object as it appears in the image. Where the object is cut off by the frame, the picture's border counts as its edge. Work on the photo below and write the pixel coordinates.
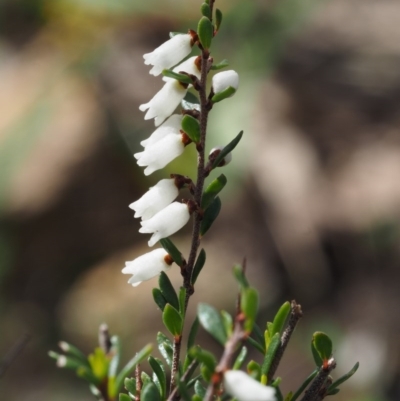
(313, 197)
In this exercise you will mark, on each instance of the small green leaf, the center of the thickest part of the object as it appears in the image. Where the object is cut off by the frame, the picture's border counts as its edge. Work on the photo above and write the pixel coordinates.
(249, 306)
(254, 370)
(172, 320)
(206, 10)
(204, 357)
(201, 260)
(206, 373)
(145, 378)
(344, 378)
(159, 371)
(99, 363)
(323, 345)
(240, 276)
(211, 321)
(240, 358)
(159, 298)
(179, 77)
(305, 384)
(271, 351)
(333, 391)
(130, 385)
(225, 94)
(73, 351)
(182, 301)
(193, 334)
(222, 64)
(128, 368)
(258, 334)
(228, 322)
(196, 397)
(256, 345)
(316, 356)
(227, 149)
(183, 391)
(289, 396)
(124, 397)
(199, 389)
(205, 31)
(150, 393)
(172, 250)
(218, 19)
(212, 190)
(165, 347)
(191, 127)
(168, 290)
(280, 318)
(210, 215)
(86, 374)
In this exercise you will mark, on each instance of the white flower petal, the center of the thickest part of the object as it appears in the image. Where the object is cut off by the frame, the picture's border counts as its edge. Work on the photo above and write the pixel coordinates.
(166, 222)
(243, 387)
(169, 53)
(171, 126)
(223, 80)
(188, 66)
(146, 266)
(155, 199)
(164, 102)
(161, 153)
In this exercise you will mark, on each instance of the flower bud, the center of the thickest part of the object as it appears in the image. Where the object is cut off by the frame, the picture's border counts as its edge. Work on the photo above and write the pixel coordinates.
(244, 388)
(147, 266)
(155, 199)
(169, 53)
(166, 222)
(224, 80)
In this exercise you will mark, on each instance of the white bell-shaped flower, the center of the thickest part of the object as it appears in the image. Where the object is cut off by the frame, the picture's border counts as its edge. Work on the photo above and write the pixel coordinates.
(166, 222)
(224, 80)
(155, 199)
(244, 388)
(191, 66)
(164, 101)
(169, 53)
(147, 266)
(159, 154)
(171, 126)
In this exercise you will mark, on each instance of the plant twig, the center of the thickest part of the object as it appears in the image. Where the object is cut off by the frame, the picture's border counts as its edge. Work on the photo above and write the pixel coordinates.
(295, 315)
(314, 392)
(174, 394)
(175, 361)
(238, 335)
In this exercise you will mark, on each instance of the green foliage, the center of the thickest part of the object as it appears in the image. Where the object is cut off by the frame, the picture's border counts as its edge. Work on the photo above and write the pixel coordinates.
(227, 149)
(322, 344)
(172, 250)
(168, 291)
(150, 393)
(205, 30)
(201, 260)
(210, 215)
(172, 320)
(212, 190)
(211, 321)
(191, 127)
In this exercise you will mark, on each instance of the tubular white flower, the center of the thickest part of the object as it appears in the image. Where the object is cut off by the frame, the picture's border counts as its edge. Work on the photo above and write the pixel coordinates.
(171, 126)
(223, 80)
(155, 199)
(159, 154)
(188, 66)
(166, 222)
(169, 53)
(164, 101)
(147, 266)
(243, 387)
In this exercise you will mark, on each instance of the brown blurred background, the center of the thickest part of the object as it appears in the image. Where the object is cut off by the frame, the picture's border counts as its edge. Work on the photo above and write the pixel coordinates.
(313, 199)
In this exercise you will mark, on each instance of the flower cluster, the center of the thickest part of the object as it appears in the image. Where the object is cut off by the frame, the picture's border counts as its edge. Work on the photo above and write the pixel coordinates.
(160, 215)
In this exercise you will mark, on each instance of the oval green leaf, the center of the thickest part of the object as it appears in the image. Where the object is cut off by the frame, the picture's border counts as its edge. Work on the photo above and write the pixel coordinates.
(210, 215)
(323, 345)
(205, 31)
(172, 250)
(227, 149)
(201, 260)
(191, 127)
(211, 321)
(172, 320)
(212, 190)
(168, 290)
